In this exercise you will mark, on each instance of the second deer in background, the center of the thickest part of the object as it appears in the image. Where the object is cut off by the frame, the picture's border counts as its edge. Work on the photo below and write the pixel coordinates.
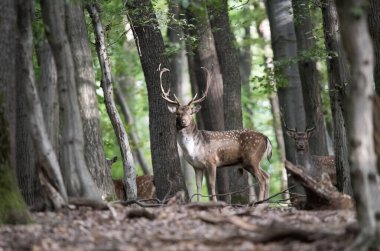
(313, 164)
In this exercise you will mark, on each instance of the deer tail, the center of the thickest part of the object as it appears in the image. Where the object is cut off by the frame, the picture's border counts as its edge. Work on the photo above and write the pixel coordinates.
(268, 150)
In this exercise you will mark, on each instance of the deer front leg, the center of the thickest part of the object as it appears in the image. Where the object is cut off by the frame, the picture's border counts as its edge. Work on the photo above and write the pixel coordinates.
(211, 177)
(199, 177)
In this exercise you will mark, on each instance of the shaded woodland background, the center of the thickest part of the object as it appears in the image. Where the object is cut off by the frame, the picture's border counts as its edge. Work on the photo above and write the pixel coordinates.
(79, 86)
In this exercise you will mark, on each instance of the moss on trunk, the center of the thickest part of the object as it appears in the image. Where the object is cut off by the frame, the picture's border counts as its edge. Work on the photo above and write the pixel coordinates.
(13, 209)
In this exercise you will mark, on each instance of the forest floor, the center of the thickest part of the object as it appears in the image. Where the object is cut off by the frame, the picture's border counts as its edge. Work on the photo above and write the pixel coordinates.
(206, 226)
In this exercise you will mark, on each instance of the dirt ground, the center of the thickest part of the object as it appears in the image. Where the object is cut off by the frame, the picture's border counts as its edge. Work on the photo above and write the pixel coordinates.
(194, 226)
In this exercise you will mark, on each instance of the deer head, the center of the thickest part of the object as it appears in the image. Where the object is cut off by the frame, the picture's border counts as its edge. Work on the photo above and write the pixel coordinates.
(183, 112)
(301, 138)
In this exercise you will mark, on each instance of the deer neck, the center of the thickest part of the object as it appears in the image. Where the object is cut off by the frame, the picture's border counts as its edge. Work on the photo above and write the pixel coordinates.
(191, 141)
(303, 158)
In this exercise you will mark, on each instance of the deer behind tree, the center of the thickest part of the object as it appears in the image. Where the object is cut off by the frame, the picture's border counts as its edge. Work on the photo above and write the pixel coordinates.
(313, 164)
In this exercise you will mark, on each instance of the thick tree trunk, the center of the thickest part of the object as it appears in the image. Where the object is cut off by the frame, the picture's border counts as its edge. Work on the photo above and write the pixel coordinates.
(374, 27)
(7, 71)
(233, 118)
(338, 77)
(365, 180)
(106, 83)
(168, 177)
(26, 172)
(44, 152)
(309, 77)
(74, 168)
(205, 55)
(290, 97)
(88, 101)
(12, 207)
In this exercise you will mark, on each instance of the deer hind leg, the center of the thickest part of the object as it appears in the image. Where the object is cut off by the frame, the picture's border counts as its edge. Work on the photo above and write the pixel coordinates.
(262, 178)
(199, 177)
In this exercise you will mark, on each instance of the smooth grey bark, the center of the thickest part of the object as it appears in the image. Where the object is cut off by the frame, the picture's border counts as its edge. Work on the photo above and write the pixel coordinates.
(284, 47)
(129, 179)
(48, 92)
(128, 116)
(232, 81)
(212, 112)
(245, 58)
(338, 76)
(179, 69)
(178, 66)
(168, 177)
(365, 181)
(276, 113)
(88, 101)
(77, 178)
(311, 87)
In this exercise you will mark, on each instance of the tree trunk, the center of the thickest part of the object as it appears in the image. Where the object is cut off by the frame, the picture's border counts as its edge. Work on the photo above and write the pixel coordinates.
(233, 119)
(168, 177)
(290, 96)
(88, 101)
(26, 172)
(181, 87)
(128, 116)
(7, 70)
(365, 180)
(338, 78)
(212, 112)
(13, 209)
(106, 83)
(48, 92)
(309, 77)
(374, 26)
(45, 156)
(275, 107)
(77, 178)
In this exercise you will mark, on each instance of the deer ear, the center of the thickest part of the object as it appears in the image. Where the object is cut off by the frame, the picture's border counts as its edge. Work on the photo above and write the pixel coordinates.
(196, 108)
(172, 108)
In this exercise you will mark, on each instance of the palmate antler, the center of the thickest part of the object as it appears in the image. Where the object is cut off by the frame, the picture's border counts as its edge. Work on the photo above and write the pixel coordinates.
(308, 130)
(165, 95)
(194, 100)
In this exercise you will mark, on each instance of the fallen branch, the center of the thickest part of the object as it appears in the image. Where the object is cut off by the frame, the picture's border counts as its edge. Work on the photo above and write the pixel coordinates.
(321, 194)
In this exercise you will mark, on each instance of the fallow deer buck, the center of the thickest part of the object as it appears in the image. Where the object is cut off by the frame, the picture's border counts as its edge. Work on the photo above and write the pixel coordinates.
(208, 150)
(319, 164)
